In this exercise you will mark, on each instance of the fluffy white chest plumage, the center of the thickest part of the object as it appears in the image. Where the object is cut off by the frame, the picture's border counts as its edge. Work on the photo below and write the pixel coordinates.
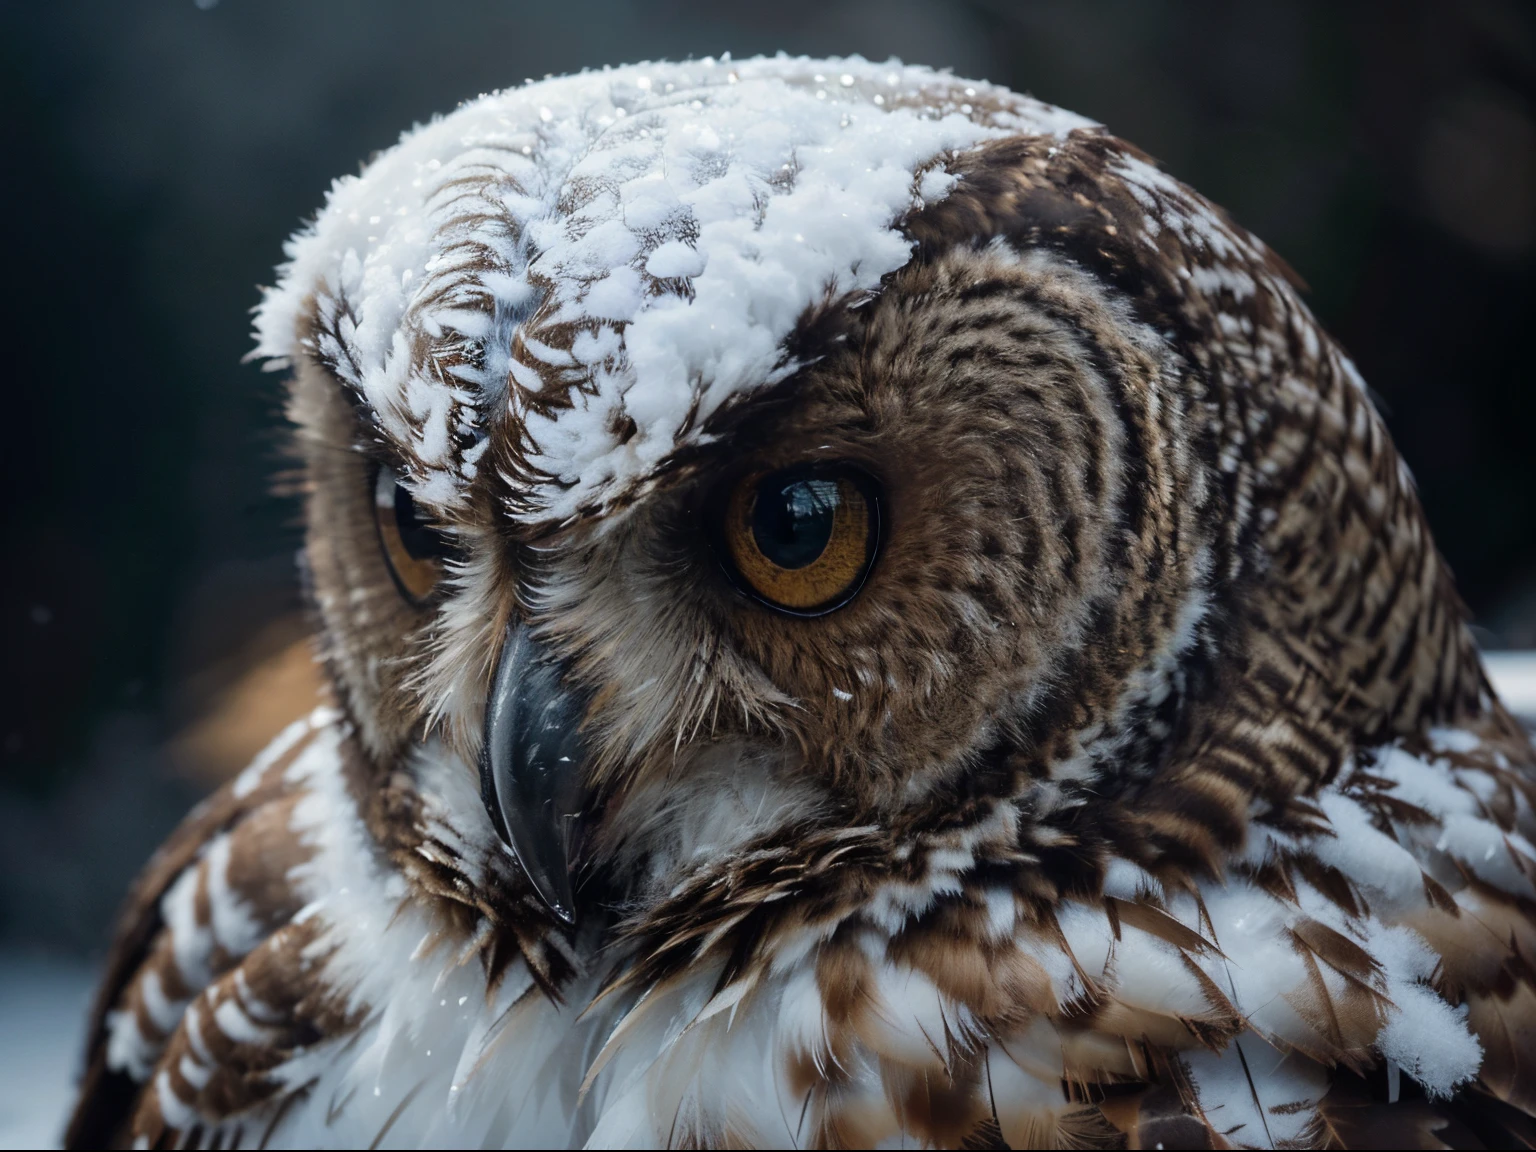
(436, 1054)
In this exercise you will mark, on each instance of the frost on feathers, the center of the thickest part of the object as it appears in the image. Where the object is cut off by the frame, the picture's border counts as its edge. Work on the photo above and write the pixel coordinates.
(636, 242)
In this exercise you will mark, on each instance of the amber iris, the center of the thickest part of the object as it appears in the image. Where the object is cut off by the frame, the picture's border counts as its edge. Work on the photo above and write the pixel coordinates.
(412, 547)
(802, 539)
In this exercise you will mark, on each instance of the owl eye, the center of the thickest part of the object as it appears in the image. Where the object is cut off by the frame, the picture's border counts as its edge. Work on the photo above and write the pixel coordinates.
(802, 539)
(413, 548)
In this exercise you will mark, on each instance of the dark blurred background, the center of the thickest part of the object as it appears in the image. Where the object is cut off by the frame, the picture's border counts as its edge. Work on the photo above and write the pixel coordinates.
(156, 155)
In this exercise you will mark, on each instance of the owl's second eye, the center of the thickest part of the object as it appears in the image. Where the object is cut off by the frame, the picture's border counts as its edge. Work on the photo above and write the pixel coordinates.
(413, 548)
(803, 539)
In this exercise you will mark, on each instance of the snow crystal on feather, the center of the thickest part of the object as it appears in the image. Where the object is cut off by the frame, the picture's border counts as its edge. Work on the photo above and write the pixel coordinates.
(617, 254)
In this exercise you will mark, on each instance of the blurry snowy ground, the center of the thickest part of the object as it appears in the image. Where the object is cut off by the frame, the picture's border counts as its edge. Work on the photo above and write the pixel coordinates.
(42, 1027)
(1514, 675)
(43, 1002)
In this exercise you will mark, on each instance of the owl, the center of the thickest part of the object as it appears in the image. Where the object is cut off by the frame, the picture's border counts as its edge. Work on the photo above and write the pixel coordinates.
(857, 611)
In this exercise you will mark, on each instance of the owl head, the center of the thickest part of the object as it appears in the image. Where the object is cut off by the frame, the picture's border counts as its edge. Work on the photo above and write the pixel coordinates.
(768, 460)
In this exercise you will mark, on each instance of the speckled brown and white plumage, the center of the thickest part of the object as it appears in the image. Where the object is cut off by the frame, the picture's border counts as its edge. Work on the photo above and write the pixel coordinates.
(1150, 793)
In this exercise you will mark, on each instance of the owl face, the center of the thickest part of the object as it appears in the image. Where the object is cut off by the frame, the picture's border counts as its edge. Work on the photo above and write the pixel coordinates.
(711, 454)
(890, 571)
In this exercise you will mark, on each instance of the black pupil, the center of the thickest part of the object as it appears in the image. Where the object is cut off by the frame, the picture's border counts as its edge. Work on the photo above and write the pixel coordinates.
(420, 539)
(792, 521)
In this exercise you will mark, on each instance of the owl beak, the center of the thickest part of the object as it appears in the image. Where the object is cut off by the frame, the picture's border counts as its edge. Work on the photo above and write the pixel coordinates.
(530, 766)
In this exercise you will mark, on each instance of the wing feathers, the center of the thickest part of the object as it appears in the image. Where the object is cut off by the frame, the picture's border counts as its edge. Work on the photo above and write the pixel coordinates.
(212, 893)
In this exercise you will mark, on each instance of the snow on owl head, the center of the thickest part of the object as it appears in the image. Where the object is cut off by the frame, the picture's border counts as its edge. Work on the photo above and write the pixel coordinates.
(858, 610)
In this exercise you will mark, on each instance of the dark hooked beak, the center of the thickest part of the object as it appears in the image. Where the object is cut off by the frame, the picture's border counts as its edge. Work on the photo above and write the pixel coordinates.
(530, 766)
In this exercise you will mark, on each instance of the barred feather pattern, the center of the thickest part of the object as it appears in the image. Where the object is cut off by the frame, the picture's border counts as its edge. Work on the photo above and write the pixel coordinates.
(963, 1004)
(1151, 793)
